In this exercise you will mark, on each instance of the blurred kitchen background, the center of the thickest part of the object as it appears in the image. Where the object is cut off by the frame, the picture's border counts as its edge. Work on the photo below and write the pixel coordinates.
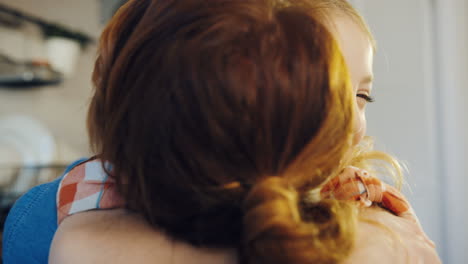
(47, 52)
(48, 47)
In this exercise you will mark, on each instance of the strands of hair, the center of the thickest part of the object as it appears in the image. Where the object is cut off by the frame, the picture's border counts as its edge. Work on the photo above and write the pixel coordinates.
(219, 117)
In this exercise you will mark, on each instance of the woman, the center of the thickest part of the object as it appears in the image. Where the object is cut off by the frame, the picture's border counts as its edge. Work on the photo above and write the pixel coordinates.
(225, 132)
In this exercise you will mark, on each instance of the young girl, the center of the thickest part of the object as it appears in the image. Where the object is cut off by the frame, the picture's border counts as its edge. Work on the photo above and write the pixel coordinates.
(226, 132)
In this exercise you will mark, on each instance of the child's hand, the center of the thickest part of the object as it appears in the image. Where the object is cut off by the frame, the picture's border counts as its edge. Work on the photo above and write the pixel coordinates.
(358, 185)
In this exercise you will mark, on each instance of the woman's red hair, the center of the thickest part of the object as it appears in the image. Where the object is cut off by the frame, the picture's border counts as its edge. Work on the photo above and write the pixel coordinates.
(218, 115)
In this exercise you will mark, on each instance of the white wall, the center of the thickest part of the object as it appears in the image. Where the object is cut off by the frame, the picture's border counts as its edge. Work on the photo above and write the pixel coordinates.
(452, 56)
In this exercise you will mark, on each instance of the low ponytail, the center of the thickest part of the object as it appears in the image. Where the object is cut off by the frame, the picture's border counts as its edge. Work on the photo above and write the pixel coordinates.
(281, 228)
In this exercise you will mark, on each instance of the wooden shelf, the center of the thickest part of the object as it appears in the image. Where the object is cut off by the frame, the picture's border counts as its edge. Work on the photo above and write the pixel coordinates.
(48, 28)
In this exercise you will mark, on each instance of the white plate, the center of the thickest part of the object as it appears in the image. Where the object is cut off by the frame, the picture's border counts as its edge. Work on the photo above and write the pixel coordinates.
(26, 139)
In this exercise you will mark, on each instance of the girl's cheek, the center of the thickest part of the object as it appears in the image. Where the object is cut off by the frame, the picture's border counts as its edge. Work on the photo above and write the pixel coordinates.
(360, 126)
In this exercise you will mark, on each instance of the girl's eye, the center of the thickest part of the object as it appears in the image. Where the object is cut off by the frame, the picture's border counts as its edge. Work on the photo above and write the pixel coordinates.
(366, 97)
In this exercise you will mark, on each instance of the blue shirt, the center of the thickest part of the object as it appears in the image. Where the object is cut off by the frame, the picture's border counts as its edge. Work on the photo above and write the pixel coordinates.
(31, 224)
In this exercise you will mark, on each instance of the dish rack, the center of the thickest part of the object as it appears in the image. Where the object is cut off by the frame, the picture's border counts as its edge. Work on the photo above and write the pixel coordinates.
(16, 180)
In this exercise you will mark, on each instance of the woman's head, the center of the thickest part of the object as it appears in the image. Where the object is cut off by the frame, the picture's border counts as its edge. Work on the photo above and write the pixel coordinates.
(219, 115)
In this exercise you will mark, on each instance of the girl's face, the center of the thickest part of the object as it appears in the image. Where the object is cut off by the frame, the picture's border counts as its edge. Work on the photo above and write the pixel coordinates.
(358, 53)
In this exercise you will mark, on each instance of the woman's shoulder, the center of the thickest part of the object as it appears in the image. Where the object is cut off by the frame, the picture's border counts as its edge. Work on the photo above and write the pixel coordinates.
(119, 236)
(385, 238)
